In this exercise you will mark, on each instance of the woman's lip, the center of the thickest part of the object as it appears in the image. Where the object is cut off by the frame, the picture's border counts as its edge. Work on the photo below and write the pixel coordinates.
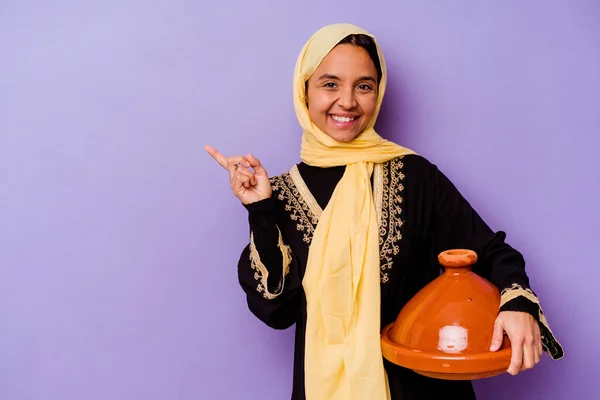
(343, 125)
(343, 115)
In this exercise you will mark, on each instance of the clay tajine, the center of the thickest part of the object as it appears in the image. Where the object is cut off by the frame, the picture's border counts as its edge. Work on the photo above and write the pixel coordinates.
(445, 330)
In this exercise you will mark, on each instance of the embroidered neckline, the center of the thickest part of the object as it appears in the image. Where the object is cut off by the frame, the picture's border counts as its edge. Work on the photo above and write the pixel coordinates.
(285, 189)
(390, 232)
(305, 193)
(378, 191)
(303, 209)
(307, 196)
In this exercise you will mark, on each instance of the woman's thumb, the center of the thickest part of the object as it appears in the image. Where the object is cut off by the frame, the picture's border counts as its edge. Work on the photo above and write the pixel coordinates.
(256, 165)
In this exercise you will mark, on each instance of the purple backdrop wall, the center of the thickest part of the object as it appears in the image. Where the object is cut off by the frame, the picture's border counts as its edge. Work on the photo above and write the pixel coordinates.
(119, 236)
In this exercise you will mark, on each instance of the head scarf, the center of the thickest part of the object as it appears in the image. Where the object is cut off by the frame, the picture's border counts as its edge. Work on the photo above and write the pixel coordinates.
(343, 357)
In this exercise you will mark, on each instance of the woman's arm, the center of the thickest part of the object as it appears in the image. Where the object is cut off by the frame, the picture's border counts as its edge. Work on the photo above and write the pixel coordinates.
(267, 269)
(458, 225)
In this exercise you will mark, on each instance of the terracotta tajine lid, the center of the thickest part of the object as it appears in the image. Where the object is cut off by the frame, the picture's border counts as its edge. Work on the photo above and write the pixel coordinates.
(445, 330)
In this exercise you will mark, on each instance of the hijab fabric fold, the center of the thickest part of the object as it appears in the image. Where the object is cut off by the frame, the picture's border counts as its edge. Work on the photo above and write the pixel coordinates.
(343, 359)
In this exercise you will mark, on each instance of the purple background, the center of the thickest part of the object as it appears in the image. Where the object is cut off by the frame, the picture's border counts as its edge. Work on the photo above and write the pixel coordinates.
(119, 236)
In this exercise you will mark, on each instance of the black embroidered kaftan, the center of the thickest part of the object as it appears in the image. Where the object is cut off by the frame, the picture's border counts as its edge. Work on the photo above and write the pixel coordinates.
(420, 213)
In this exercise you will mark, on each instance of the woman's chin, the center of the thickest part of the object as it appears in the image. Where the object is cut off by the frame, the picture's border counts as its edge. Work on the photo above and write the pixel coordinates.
(342, 136)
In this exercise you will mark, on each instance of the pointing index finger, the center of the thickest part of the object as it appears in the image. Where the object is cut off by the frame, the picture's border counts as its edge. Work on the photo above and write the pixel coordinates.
(220, 158)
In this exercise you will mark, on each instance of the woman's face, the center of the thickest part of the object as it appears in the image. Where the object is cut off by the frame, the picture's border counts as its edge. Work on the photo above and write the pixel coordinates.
(342, 92)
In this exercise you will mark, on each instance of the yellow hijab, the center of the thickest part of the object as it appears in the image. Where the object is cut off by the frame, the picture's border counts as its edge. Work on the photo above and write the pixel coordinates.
(343, 357)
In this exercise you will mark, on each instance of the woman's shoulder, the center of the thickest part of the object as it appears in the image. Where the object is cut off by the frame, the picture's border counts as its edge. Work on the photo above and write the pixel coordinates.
(413, 164)
(415, 171)
(277, 181)
(285, 181)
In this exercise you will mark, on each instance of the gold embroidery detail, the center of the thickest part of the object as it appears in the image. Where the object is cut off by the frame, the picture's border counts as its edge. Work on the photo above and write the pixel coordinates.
(305, 193)
(261, 273)
(313, 205)
(304, 209)
(551, 345)
(298, 210)
(391, 223)
(378, 191)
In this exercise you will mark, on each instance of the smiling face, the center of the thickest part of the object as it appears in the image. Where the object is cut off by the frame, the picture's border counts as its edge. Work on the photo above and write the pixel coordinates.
(342, 92)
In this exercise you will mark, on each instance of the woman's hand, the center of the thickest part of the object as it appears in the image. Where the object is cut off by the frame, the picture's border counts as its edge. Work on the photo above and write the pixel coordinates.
(248, 186)
(525, 338)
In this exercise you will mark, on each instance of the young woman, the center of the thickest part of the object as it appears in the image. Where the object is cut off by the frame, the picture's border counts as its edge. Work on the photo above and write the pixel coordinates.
(343, 240)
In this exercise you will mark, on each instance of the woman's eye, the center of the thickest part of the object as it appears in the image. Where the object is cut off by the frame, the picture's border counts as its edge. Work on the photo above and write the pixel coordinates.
(330, 85)
(365, 87)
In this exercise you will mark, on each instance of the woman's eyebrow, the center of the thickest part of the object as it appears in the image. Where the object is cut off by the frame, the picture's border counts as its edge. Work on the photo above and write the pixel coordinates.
(329, 76)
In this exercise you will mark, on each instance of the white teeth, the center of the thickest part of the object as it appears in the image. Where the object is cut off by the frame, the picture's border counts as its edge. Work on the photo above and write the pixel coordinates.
(342, 119)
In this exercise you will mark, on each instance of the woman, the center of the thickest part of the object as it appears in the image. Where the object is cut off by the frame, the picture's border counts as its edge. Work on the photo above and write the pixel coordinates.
(343, 240)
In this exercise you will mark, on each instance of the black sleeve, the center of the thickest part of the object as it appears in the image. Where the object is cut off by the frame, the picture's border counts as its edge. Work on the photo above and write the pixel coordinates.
(459, 226)
(267, 269)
